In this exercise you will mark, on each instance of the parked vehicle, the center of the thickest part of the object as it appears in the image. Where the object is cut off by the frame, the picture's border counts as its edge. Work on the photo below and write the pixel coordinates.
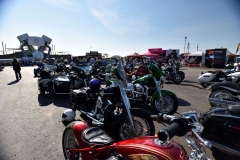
(172, 72)
(83, 66)
(149, 89)
(111, 108)
(53, 82)
(80, 141)
(222, 128)
(224, 91)
(209, 77)
(36, 71)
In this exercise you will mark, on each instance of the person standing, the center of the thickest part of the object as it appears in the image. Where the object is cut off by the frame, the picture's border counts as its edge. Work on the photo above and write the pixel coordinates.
(17, 68)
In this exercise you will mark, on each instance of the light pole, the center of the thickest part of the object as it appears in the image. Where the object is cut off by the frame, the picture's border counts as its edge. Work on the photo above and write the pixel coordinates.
(185, 44)
(197, 47)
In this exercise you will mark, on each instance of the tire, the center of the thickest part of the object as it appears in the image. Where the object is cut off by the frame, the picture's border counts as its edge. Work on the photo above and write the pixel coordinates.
(69, 141)
(42, 90)
(177, 78)
(170, 107)
(221, 94)
(204, 85)
(144, 127)
(182, 74)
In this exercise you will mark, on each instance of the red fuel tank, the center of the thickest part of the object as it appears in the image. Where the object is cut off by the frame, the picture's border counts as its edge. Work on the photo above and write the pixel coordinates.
(145, 148)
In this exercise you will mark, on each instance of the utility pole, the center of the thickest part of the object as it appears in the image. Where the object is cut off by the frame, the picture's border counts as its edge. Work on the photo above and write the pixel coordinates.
(3, 48)
(185, 44)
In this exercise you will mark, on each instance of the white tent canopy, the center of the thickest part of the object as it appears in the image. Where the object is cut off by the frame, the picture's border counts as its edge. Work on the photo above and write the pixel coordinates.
(196, 54)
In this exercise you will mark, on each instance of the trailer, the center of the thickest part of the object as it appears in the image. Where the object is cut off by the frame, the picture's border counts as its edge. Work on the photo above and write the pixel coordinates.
(216, 57)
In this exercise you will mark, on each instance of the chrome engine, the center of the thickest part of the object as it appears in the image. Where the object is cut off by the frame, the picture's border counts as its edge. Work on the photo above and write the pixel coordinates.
(136, 91)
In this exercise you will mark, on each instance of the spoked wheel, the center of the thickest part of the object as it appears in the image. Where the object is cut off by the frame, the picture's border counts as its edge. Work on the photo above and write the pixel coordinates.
(142, 127)
(170, 106)
(222, 95)
(177, 78)
(69, 141)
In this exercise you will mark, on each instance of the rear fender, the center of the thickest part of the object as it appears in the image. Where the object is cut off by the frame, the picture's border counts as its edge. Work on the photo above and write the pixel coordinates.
(220, 85)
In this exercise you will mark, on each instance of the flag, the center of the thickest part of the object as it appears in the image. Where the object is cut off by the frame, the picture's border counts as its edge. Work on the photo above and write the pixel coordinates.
(238, 47)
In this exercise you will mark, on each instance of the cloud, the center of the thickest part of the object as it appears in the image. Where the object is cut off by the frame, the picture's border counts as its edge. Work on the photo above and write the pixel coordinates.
(116, 20)
(64, 4)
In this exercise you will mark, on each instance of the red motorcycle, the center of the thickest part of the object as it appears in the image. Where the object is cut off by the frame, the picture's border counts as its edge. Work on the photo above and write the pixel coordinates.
(80, 141)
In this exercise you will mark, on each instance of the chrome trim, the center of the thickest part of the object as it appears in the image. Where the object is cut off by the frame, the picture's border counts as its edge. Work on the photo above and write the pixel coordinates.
(146, 93)
(97, 122)
(225, 149)
(222, 102)
(231, 89)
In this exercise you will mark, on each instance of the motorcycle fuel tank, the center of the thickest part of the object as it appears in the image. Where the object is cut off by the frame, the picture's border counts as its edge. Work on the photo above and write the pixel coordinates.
(146, 148)
(147, 80)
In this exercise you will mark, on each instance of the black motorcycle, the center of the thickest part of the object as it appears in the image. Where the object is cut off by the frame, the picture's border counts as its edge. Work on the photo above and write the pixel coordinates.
(222, 128)
(224, 91)
(110, 107)
(54, 80)
(172, 72)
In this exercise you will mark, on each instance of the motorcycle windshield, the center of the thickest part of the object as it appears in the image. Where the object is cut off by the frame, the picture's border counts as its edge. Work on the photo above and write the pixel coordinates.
(156, 72)
(121, 73)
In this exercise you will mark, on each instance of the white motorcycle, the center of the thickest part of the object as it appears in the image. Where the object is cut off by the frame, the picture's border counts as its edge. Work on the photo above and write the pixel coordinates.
(209, 77)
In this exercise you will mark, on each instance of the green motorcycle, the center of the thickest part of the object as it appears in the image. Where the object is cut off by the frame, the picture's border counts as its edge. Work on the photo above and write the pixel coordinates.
(148, 89)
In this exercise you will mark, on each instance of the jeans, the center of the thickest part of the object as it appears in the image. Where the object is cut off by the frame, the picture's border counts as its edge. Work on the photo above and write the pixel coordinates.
(17, 73)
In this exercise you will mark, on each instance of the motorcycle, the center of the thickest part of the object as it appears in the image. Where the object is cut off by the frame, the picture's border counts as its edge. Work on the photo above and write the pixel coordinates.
(36, 71)
(224, 91)
(110, 107)
(209, 77)
(172, 72)
(80, 141)
(149, 89)
(222, 128)
(52, 82)
(85, 67)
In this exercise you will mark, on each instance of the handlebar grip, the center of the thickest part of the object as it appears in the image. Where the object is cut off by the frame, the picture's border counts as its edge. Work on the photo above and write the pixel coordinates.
(169, 132)
(154, 116)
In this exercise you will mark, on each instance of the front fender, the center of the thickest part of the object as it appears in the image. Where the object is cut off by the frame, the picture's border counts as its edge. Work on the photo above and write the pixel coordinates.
(135, 112)
(164, 92)
(218, 85)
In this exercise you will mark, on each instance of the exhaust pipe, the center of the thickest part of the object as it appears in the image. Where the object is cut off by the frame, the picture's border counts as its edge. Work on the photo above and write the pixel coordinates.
(222, 102)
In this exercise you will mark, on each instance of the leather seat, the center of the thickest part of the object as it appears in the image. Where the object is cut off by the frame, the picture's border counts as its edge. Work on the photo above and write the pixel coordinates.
(95, 135)
(234, 108)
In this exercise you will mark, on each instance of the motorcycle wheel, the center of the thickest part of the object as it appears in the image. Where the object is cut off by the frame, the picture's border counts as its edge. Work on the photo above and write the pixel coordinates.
(177, 78)
(143, 127)
(204, 85)
(220, 94)
(69, 141)
(182, 74)
(170, 106)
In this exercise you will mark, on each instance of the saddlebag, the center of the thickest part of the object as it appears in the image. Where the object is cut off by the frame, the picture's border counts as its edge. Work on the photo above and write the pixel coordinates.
(61, 85)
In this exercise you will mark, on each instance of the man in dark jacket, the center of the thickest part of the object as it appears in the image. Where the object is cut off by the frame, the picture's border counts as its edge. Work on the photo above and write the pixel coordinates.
(172, 55)
(17, 68)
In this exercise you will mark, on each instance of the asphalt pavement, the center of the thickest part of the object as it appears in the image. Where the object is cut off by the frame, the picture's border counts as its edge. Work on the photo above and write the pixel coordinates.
(31, 126)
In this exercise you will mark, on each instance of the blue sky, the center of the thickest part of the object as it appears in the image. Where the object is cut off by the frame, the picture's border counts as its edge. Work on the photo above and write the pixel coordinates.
(122, 27)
